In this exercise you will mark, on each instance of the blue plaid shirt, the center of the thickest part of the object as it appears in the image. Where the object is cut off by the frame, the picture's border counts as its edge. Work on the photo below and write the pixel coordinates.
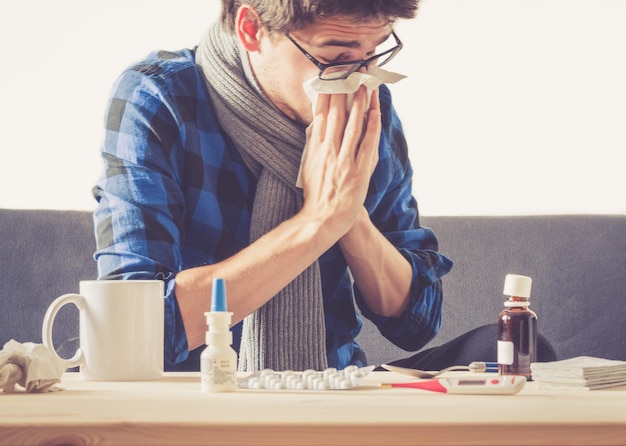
(175, 194)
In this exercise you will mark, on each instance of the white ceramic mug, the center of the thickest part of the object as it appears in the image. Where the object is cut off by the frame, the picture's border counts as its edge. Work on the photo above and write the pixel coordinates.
(121, 329)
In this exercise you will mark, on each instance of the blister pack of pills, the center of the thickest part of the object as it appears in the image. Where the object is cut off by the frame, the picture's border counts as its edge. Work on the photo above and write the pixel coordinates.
(328, 379)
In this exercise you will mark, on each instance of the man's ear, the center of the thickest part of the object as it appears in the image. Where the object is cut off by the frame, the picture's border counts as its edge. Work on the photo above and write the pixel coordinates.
(248, 28)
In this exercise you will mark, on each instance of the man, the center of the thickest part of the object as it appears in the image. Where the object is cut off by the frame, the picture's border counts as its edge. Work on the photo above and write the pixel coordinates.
(202, 151)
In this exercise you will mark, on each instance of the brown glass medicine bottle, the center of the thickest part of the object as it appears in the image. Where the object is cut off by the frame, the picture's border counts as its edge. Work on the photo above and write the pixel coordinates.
(517, 329)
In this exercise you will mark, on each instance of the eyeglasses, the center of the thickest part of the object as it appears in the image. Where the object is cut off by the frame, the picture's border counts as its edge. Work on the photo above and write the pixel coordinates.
(341, 70)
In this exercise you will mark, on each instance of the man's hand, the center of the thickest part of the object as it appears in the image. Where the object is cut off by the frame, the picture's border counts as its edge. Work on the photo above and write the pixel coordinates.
(341, 157)
(340, 160)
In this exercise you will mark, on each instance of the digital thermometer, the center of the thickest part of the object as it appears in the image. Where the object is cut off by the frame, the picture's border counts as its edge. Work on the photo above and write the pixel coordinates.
(497, 385)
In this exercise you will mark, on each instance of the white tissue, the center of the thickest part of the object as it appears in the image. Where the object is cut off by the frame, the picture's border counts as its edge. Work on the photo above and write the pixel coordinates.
(371, 79)
(33, 366)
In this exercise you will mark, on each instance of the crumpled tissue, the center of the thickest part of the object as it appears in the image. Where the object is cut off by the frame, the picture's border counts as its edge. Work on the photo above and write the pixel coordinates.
(32, 366)
(371, 79)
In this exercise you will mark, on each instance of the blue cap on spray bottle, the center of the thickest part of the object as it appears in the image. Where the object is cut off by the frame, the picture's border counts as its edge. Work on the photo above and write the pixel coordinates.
(218, 296)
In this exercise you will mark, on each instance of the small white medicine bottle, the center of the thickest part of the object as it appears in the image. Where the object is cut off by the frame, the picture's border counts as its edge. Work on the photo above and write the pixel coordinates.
(517, 328)
(218, 361)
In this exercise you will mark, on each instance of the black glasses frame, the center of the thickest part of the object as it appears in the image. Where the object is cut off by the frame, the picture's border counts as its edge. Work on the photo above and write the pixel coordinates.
(356, 64)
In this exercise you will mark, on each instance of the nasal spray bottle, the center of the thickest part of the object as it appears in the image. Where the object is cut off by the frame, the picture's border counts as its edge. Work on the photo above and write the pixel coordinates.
(517, 329)
(218, 361)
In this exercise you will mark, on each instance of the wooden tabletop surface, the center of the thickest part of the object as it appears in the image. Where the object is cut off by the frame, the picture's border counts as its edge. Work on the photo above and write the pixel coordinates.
(173, 411)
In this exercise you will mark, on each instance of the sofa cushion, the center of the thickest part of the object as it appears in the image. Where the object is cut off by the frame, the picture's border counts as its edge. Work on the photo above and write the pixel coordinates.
(44, 254)
(577, 262)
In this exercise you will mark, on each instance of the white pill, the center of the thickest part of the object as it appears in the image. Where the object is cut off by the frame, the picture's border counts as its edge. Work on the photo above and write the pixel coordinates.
(322, 385)
(344, 384)
(254, 382)
(313, 379)
(330, 371)
(279, 385)
(292, 378)
(269, 381)
(350, 369)
(296, 385)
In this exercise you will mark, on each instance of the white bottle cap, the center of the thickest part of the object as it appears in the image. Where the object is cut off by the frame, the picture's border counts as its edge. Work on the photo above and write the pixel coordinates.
(518, 286)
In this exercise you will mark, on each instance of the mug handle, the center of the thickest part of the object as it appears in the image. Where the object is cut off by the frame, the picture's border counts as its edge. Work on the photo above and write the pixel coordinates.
(48, 321)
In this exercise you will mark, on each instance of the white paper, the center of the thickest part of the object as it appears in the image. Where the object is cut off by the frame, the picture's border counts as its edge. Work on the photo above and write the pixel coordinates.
(582, 372)
(371, 79)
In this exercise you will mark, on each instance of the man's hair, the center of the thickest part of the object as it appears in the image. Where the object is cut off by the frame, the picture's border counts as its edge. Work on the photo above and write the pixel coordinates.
(282, 16)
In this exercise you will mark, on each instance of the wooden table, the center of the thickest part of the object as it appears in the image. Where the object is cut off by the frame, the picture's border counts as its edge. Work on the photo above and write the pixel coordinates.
(173, 411)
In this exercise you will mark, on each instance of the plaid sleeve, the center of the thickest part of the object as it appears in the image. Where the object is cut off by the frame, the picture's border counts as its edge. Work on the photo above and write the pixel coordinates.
(393, 209)
(140, 209)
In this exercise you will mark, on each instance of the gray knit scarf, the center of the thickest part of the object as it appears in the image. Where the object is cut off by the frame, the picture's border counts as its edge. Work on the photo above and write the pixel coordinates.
(288, 332)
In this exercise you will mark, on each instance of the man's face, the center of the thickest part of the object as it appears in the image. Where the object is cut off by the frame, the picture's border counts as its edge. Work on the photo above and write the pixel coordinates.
(281, 68)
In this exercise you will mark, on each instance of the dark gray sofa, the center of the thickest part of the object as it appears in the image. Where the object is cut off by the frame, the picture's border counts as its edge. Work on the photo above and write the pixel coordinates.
(577, 262)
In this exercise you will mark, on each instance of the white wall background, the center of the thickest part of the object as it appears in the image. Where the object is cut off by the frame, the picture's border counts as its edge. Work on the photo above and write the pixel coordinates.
(511, 106)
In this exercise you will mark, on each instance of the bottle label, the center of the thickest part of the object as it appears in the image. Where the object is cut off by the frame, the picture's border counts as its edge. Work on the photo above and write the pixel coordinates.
(506, 352)
(217, 374)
